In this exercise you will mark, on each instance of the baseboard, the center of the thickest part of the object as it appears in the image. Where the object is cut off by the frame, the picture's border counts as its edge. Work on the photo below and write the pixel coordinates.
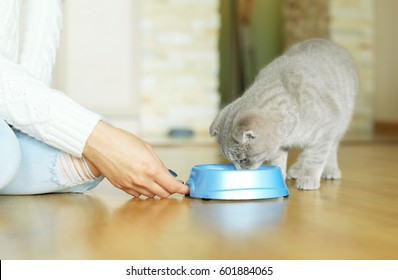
(389, 128)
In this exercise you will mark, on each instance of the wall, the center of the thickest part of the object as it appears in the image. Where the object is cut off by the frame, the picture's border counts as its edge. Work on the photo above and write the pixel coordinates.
(305, 19)
(97, 59)
(352, 24)
(179, 65)
(147, 66)
(386, 101)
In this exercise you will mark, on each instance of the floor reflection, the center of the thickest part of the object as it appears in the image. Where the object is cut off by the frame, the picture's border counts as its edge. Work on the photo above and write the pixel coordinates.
(238, 217)
(48, 226)
(70, 226)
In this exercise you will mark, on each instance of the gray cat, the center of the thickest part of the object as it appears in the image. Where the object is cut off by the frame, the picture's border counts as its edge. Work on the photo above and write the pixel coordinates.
(305, 99)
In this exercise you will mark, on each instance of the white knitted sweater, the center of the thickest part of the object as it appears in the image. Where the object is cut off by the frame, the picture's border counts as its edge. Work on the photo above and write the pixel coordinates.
(29, 37)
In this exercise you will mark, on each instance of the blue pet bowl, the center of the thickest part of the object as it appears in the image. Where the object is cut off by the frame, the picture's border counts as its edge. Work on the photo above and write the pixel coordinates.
(224, 181)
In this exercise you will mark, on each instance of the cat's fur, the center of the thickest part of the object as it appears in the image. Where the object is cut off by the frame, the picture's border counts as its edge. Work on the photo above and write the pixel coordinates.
(304, 98)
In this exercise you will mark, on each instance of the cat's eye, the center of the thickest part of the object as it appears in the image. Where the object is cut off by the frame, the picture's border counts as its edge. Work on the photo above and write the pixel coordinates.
(243, 160)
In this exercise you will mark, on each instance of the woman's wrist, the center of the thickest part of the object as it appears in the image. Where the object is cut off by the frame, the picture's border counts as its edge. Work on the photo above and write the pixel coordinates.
(94, 170)
(93, 146)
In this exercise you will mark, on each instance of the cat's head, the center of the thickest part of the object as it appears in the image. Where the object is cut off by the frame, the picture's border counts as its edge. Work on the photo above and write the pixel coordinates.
(247, 140)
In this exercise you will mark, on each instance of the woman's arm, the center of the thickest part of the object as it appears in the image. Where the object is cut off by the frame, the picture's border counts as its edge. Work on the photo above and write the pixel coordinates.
(130, 163)
(48, 115)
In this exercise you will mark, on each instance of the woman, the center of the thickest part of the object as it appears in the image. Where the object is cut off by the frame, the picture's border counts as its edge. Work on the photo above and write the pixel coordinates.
(48, 143)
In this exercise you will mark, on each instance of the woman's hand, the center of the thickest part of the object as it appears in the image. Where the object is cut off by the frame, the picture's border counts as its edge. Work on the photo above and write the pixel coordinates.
(129, 163)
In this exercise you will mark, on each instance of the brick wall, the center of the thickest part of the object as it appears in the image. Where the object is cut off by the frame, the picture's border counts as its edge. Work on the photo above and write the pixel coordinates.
(178, 65)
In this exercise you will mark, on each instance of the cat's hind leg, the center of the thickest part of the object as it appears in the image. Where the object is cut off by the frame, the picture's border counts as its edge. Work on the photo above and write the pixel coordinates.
(332, 170)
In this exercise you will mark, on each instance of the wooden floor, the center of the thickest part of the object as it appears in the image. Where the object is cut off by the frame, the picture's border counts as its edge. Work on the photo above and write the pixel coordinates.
(354, 218)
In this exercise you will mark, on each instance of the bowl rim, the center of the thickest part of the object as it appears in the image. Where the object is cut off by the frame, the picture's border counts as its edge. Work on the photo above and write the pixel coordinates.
(203, 168)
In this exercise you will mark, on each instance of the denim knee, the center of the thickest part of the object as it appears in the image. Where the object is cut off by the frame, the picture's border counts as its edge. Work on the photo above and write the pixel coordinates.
(37, 171)
(10, 154)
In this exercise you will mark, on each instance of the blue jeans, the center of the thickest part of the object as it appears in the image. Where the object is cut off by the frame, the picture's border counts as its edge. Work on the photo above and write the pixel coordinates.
(27, 166)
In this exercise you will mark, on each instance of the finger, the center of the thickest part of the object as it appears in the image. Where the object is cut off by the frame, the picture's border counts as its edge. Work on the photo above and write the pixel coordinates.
(159, 160)
(136, 190)
(128, 190)
(159, 191)
(131, 192)
(169, 183)
(144, 191)
(149, 188)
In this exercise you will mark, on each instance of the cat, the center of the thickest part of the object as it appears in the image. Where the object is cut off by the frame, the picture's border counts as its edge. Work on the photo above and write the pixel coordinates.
(305, 99)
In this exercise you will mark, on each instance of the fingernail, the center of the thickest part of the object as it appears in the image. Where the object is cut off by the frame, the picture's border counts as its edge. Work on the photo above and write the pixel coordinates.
(173, 173)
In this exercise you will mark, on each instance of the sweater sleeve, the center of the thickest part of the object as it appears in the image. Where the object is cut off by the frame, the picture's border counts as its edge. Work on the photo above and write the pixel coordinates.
(48, 115)
(39, 28)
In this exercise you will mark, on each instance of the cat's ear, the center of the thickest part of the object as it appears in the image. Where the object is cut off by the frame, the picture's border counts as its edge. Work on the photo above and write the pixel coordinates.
(213, 132)
(244, 137)
(247, 136)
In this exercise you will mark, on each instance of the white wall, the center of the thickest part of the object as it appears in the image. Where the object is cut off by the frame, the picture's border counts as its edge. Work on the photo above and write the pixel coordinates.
(96, 65)
(148, 66)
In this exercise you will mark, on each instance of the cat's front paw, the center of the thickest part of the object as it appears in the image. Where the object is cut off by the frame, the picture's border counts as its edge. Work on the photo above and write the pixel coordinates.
(293, 172)
(308, 183)
(331, 173)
